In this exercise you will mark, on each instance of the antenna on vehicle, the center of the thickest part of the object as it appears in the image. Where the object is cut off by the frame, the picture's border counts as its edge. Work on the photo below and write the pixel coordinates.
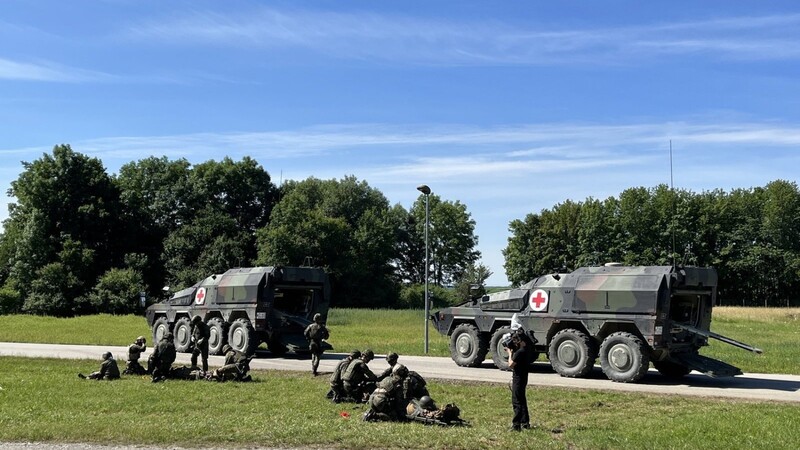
(672, 190)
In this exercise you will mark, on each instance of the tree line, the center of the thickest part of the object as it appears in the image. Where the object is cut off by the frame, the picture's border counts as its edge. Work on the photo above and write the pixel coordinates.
(751, 236)
(79, 241)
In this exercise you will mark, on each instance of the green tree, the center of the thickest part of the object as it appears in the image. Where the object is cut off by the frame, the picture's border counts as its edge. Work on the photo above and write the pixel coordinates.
(346, 226)
(476, 275)
(117, 292)
(65, 221)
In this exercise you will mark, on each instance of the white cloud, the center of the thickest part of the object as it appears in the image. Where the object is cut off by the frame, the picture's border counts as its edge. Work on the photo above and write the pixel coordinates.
(409, 39)
(47, 71)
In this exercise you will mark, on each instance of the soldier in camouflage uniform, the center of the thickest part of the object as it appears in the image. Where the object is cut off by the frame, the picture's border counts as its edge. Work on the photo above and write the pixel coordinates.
(315, 333)
(108, 369)
(163, 356)
(391, 359)
(237, 364)
(414, 386)
(200, 335)
(386, 402)
(358, 380)
(337, 387)
(134, 352)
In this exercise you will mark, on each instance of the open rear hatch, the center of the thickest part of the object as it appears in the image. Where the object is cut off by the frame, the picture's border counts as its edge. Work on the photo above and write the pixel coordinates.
(703, 364)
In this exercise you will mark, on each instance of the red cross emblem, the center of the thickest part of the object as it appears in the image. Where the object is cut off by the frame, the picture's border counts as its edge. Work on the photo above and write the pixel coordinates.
(538, 300)
(200, 297)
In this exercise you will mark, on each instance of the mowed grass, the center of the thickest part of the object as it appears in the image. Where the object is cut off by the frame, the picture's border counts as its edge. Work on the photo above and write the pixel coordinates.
(42, 400)
(774, 330)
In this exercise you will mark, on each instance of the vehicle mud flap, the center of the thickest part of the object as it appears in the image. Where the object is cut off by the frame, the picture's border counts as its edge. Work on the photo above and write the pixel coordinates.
(709, 366)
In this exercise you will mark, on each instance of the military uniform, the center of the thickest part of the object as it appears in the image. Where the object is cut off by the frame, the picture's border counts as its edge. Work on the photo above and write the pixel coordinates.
(315, 333)
(414, 386)
(108, 369)
(391, 359)
(134, 353)
(337, 392)
(358, 380)
(163, 356)
(236, 366)
(200, 335)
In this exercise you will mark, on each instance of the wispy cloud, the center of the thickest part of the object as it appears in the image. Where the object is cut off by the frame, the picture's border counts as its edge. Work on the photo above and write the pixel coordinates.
(47, 71)
(411, 39)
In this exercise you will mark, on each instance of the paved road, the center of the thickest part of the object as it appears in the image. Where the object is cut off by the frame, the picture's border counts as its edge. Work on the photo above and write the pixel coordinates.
(772, 387)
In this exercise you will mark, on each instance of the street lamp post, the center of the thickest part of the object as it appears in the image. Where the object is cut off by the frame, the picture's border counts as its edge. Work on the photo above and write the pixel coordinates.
(427, 192)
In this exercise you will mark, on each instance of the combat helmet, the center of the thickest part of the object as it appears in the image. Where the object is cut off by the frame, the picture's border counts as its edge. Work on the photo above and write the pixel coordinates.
(391, 358)
(355, 354)
(141, 340)
(400, 371)
(197, 319)
(226, 348)
(426, 402)
(107, 356)
(368, 354)
(317, 318)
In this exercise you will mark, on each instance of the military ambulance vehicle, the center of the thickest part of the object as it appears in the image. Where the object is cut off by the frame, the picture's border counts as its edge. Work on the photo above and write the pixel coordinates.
(244, 307)
(626, 316)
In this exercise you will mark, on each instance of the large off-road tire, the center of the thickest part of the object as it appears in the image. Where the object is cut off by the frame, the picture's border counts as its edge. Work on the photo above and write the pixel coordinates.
(671, 370)
(183, 334)
(572, 353)
(499, 354)
(217, 336)
(160, 329)
(242, 336)
(624, 357)
(468, 346)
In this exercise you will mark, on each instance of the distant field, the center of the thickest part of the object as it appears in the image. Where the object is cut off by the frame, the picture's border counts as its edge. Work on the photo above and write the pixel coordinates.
(42, 400)
(775, 330)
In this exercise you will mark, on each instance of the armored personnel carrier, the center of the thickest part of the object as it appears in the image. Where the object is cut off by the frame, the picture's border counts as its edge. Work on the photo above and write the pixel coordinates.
(626, 316)
(246, 306)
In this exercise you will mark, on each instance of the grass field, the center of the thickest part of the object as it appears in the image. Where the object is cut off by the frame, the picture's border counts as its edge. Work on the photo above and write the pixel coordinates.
(775, 330)
(43, 400)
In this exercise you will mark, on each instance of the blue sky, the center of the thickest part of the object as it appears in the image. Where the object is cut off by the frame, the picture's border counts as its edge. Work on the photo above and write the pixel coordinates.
(509, 106)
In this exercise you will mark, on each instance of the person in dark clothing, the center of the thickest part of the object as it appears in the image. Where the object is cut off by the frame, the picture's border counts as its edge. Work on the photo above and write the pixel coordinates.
(519, 363)
(134, 353)
(200, 335)
(108, 369)
(337, 385)
(391, 359)
(315, 333)
(163, 356)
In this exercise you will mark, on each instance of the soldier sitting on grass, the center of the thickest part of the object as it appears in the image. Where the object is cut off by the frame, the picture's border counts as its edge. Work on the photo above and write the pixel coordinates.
(358, 380)
(134, 352)
(108, 369)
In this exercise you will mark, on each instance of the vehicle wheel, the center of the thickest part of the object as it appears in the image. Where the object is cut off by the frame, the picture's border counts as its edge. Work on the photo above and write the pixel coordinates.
(242, 336)
(160, 329)
(671, 370)
(183, 334)
(468, 347)
(572, 353)
(624, 357)
(217, 336)
(499, 354)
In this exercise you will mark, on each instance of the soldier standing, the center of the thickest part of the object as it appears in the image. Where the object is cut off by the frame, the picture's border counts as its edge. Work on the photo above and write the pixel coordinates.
(108, 369)
(200, 335)
(519, 363)
(391, 359)
(315, 333)
(163, 356)
(134, 352)
(358, 380)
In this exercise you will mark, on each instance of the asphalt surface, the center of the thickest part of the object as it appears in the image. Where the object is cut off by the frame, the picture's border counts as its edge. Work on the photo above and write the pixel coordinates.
(750, 386)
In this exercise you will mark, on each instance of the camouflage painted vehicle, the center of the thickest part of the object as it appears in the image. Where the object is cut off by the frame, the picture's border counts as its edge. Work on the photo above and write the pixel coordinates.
(246, 306)
(626, 316)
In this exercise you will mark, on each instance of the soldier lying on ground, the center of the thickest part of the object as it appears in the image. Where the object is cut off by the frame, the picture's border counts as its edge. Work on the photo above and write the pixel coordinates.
(108, 369)
(424, 410)
(237, 364)
(358, 380)
(134, 352)
(337, 393)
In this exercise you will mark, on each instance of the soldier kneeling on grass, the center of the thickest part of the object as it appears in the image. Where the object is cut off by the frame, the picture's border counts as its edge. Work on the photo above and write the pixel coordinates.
(387, 402)
(134, 353)
(358, 380)
(108, 369)
(337, 393)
